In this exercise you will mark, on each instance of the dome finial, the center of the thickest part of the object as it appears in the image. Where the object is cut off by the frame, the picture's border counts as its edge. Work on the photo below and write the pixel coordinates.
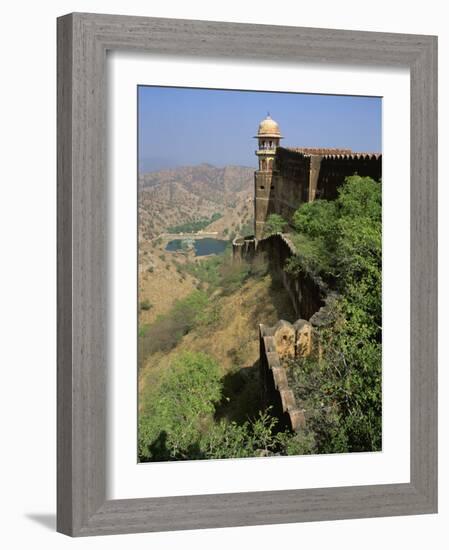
(269, 128)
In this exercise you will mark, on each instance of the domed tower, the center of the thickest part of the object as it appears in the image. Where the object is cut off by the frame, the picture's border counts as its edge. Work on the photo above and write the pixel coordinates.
(268, 137)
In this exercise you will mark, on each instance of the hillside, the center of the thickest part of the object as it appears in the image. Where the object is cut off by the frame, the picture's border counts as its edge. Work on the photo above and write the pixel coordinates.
(173, 197)
(228, 330)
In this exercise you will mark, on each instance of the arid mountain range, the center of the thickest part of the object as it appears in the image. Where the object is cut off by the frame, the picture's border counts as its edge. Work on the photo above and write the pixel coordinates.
(172, 197)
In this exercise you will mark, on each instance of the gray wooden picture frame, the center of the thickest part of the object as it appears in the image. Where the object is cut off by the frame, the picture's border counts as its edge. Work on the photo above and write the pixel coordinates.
(83, 40)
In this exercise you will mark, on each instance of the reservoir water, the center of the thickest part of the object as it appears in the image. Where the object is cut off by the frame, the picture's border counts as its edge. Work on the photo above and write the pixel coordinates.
(203, 247)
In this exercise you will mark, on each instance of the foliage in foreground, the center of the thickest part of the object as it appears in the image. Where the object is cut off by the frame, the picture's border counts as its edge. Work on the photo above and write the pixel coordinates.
(187, 395)
(179, 424)
(340, 242)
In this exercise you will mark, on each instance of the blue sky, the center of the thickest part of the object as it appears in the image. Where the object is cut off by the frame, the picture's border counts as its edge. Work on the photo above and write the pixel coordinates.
(188, 126)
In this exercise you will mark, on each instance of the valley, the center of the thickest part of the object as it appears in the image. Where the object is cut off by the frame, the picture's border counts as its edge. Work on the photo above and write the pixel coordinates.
(179, 199)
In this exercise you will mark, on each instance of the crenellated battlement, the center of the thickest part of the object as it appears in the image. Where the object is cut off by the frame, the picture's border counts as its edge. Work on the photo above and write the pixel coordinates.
(297, 175)
(279, 345)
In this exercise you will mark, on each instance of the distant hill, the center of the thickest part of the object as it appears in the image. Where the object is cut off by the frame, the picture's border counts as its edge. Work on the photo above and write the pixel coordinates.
(177, 196)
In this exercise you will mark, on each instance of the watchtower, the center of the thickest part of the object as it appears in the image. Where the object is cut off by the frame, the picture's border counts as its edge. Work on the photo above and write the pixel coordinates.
(268, 137)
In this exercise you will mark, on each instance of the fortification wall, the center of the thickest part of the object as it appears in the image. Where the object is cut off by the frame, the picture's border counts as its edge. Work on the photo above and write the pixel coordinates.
(335, 168)
(291, 186)
(284, 340)
(243, 248)
(274, 342)
(305, 174)
(264, 192)
(307, 295)
(280, 344)
(299, 175)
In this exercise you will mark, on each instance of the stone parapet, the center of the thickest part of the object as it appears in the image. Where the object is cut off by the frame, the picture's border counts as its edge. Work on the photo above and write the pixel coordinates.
(275, 388)
(279, 344)
(244, 248)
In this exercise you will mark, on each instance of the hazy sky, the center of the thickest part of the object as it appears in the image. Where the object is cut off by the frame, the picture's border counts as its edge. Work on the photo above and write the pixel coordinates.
(187, 126)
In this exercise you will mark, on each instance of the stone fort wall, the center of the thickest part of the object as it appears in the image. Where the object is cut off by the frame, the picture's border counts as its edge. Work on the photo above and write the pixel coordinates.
(304, 174)
(296, 176)
(284, 340)
(307, 295)
(278, 345)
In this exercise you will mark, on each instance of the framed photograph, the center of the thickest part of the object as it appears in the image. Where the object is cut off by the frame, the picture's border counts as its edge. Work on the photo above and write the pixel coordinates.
(247, 274)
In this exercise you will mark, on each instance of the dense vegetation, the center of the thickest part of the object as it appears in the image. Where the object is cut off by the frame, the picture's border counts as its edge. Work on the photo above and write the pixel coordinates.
(340, 243)
(179, 423)
(195, 225)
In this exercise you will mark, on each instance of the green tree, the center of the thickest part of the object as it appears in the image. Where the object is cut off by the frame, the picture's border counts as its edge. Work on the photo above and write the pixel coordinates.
(171, 427)
(274, 224)
(190, 310)
(316, 219)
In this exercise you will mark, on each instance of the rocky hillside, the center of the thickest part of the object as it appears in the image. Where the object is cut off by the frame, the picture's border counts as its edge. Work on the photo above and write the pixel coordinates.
(172, 197)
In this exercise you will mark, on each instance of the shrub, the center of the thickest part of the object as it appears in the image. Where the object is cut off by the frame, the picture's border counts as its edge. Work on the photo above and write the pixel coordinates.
(208, 269)
(247, 228)
(233, 276)
(274, 224)
(172, 426)
(145, 305)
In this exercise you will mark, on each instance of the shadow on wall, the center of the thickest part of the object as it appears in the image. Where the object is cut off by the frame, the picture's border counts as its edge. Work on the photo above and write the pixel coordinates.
(307, 295)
